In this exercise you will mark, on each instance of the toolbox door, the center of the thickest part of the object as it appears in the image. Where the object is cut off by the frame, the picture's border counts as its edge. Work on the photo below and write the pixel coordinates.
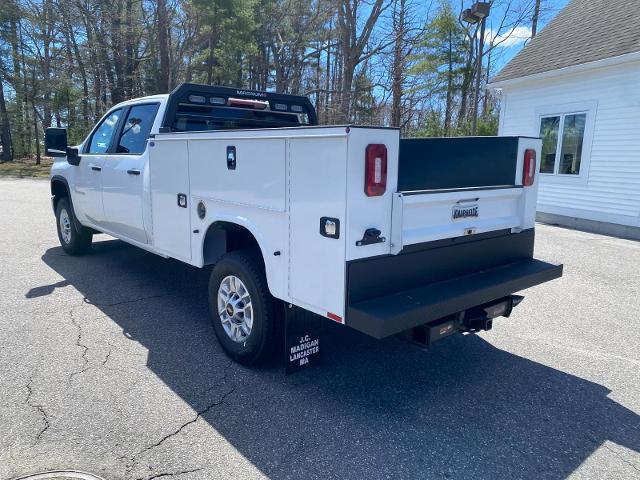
(317, 186)
(170, 201)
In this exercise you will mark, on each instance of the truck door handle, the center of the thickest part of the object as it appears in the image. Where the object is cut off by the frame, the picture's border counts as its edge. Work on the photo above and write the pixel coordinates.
(96, 168)
(133, 172)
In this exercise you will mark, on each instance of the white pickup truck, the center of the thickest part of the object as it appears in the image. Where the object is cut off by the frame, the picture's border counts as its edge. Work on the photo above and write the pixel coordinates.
(418, 237)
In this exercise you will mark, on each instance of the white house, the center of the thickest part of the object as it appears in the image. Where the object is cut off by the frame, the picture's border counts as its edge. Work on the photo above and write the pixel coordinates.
(577, 85)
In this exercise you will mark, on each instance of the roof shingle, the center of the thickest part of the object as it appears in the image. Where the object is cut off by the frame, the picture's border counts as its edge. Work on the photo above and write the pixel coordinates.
(584, 31)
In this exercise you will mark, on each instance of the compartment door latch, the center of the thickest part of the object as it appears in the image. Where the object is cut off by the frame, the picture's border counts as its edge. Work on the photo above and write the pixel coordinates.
(371, 236)
(231, 157)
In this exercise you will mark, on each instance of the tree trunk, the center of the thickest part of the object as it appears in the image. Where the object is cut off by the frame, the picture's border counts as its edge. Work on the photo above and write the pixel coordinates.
(117, 86)
(36, 133)
(397, 71)
(47, 28)
(467, 78)
(70, 34)
(129, 87)
(353, 45)
(163, 49)
(449, 101)
(5, 133)
(476, 95)
(19, 144)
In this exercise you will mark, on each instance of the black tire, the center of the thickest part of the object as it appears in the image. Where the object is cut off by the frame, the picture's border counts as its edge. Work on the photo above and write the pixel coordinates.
(259, 345)
(76, 240)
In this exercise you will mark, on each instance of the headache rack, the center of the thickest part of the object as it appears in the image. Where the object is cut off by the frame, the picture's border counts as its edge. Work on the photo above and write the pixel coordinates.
(195, 107)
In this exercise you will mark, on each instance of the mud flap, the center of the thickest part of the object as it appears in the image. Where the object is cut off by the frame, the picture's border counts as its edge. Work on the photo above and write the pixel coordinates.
(304, 337)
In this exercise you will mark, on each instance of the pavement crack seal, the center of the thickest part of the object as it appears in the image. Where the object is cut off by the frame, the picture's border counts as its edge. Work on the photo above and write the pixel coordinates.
(36, 406)
(61, 474)
(620, 457)
(106, 357)
(199, 414)
(85, 348)
(124, 302)
(174, 474)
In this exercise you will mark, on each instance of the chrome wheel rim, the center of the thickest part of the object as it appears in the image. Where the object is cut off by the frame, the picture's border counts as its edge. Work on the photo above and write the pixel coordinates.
(65, 226)
(235, 309)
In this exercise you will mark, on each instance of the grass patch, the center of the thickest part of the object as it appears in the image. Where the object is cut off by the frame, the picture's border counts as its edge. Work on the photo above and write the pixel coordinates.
(26, 167)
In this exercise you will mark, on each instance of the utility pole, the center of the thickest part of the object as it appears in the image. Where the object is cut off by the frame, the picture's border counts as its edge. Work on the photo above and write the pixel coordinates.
(478, 12)
(534, 19)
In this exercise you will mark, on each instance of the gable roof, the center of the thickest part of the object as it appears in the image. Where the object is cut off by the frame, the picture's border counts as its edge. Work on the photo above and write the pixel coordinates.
(582, 32)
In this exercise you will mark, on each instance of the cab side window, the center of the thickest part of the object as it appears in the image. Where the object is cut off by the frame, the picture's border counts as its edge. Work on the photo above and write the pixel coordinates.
(136, 128)
(101, 138)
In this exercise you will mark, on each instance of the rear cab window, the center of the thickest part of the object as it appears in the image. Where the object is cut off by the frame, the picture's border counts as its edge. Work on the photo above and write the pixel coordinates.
(136, 129)
(191, 118)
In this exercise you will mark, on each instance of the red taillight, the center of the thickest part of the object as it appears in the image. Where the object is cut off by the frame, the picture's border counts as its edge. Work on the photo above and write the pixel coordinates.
(529, 167)
(375, 170)
(248, 103)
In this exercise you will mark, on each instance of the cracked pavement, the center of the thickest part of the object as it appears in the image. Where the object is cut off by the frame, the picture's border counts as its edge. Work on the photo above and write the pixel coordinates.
(108, 365)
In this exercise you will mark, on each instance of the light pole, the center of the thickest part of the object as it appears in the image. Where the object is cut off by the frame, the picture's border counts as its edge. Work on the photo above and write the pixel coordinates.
(478, 12)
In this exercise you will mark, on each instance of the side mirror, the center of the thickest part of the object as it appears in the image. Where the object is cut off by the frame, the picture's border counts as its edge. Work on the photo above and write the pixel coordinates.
(55, 142)
(55, 145)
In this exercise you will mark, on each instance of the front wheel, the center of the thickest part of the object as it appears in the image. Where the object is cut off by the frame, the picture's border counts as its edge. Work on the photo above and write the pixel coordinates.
(74, 238)
(242, 309)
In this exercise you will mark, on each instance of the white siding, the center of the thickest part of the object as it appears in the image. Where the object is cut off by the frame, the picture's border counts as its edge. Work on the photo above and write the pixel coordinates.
(609, 190)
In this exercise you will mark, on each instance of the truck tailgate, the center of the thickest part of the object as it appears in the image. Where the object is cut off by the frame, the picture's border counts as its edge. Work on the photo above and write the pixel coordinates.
(433, 215)
(454, 187)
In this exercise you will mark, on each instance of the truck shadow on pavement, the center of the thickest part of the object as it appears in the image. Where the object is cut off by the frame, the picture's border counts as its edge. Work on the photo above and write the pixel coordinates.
(374, 409)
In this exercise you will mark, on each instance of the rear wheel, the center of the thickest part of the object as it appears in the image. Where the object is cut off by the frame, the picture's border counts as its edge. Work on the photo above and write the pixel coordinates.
(74, 238)
(242, 309)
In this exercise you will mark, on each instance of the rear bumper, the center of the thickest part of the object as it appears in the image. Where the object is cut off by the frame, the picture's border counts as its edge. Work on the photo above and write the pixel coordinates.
(391, 314)
(390, 294)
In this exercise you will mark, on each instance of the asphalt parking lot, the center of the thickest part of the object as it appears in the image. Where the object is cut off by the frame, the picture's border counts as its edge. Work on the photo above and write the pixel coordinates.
(108, 364)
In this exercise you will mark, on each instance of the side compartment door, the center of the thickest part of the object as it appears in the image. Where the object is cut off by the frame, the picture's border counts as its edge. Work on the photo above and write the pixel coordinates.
(88, 180)
(124, 174)
(317, 189)
(169, 182)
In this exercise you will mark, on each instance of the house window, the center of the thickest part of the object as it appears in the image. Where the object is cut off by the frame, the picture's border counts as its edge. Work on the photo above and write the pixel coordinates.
(562, 141)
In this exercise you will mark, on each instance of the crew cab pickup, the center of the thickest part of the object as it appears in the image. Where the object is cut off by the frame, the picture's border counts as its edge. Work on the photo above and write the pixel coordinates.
(421, 237)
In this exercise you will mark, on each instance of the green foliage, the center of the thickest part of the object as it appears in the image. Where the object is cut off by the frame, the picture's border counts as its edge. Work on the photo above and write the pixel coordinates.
(227, 39)
(365, 109)
(442, 52)
(64, 62)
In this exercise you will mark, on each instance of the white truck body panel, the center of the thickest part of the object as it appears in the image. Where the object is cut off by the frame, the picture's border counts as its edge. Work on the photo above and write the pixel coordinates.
(258, 181)
(284, 181)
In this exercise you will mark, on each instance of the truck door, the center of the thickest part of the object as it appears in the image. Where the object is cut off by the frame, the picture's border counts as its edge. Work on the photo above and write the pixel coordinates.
(123, 174)
(88, 182)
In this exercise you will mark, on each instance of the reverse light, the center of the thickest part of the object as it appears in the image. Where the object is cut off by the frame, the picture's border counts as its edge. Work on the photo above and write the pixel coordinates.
(375, 176)
(529, 167)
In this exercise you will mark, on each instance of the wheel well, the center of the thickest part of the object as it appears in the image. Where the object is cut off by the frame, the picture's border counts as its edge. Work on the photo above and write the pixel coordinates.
(58, 191)
(223, 237)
